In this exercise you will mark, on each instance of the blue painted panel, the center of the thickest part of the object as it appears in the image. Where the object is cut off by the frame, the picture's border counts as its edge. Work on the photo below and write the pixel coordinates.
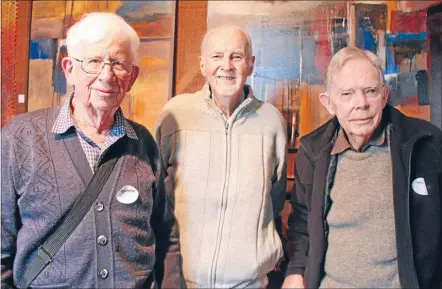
(60, 83)
(43, 48)
(134, 11)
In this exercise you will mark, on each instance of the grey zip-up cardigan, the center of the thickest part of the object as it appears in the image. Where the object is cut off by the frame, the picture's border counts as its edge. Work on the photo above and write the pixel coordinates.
(116, 245)
(228, 178)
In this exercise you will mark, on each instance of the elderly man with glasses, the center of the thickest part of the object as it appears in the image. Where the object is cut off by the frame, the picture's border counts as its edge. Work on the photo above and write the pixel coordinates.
(83, 204)
(368, 187)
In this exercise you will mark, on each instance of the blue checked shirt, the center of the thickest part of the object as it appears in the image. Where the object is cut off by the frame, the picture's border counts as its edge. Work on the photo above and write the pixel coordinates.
(93, 152)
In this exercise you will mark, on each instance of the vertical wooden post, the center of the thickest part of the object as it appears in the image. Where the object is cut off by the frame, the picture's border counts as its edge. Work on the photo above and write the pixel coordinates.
(191, 24)
(9, 23)
(14, 63)
(24, 12)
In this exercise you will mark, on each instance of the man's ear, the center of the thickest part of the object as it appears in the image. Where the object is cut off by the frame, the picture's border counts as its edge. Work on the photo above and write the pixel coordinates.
(325, 100)
(386, 94)
(202, 66)
(133, 77)
(252, 65)
(67, 65)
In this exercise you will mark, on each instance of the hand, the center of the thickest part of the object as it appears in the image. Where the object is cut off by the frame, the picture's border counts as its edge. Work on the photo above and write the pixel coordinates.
(294, 281)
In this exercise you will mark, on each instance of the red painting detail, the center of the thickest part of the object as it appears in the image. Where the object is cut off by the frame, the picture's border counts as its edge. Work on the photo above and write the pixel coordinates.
(321, 30)
(413, 22)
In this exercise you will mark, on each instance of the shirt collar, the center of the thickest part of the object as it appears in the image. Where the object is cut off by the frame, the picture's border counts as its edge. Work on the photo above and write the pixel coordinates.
(342, 144)
(65, 121)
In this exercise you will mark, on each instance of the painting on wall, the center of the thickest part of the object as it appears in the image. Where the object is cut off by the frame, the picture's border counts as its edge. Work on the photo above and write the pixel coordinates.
(154, 22)
(293, 41)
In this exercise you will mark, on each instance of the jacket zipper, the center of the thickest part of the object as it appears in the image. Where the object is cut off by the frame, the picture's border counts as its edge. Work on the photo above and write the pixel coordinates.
(407, 203)
(223, 203)
(226, 181)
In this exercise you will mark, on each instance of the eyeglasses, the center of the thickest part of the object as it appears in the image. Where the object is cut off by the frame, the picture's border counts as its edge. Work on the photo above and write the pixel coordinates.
(95, 65)
(371, 93)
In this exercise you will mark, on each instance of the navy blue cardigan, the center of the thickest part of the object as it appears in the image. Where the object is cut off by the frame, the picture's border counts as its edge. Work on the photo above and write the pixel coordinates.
(42, 176)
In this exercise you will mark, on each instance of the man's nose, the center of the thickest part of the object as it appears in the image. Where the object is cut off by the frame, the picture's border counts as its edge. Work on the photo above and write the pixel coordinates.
(226, 64)
(359, 99)
(107, 73)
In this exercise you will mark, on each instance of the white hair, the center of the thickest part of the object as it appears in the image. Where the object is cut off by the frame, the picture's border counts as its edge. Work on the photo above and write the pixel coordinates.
(345, 54)
(234, 27)
(102, 27)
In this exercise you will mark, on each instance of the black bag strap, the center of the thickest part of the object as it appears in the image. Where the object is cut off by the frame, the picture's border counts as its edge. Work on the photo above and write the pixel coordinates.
(53, 243)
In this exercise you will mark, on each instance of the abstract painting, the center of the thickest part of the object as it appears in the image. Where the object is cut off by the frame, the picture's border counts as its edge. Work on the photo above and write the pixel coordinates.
(293, 41)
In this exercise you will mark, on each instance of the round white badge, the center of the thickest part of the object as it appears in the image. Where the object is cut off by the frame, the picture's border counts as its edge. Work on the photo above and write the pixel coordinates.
(127, 195)
(419, 187)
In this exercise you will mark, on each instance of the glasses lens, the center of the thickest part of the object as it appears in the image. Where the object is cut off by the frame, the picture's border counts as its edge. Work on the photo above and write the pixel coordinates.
(93, 65)
(121, 68)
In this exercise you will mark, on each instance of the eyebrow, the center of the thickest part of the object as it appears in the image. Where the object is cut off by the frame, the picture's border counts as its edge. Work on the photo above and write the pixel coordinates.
(222, 52)
(345, 89)
(352, 88)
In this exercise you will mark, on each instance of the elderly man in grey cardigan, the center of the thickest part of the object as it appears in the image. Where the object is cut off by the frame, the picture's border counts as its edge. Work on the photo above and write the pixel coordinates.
(48, 157)
(225, 153)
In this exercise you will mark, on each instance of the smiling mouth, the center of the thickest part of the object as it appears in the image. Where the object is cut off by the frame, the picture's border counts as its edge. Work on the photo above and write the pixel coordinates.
(226, 77)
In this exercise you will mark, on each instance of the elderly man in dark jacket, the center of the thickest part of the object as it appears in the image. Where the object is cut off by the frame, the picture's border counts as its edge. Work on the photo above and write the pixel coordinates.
(49, 157)
(368, 192)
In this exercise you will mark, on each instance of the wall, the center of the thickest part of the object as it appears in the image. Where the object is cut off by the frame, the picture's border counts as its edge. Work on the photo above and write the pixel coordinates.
(289, 68)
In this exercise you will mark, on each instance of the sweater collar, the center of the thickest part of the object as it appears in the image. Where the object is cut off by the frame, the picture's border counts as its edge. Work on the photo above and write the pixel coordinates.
(209, 106)
(247, 92)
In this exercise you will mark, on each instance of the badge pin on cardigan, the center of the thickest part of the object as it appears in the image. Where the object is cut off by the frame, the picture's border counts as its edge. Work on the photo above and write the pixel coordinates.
(419, 187)
(127, 195)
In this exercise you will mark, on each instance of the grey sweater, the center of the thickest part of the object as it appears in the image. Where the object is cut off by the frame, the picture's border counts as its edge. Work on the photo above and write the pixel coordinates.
(361, 249)
(43, 174)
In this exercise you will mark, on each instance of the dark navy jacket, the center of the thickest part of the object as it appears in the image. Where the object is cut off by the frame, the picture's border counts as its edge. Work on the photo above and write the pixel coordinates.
(416, 149)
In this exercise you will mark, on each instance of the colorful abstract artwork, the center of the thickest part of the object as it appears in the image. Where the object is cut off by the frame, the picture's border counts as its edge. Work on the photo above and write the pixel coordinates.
(293, 41)
(154, 22)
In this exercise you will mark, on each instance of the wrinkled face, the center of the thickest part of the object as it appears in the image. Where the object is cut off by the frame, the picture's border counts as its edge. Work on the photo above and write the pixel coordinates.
(104, 90)
(357, 97)
(225, 62)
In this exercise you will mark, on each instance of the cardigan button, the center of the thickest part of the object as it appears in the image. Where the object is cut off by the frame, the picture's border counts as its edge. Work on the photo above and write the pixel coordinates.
(102, 240)
(103, 273)
(99, 207)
